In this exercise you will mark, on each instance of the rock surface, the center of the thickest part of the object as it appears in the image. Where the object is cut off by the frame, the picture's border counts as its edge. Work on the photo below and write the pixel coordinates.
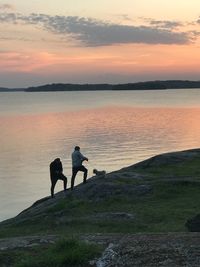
(135, 183)
(95, 190)
(117, 183)
(26, 242)
(166, 250)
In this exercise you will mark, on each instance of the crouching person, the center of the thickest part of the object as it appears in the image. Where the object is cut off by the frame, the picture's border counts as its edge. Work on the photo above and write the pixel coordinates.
(56, 173)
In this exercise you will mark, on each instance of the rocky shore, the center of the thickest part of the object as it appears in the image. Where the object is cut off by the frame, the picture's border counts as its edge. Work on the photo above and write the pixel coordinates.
(138, 215)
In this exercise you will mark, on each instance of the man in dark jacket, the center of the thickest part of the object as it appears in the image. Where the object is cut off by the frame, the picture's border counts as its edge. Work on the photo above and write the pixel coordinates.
(77, 159)
(56, 173)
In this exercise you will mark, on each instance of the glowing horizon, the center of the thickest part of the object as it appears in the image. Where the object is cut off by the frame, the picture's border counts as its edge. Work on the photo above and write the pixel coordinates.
(101, 42)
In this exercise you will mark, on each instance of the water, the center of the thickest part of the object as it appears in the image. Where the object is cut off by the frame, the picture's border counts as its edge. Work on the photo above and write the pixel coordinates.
(113, 129)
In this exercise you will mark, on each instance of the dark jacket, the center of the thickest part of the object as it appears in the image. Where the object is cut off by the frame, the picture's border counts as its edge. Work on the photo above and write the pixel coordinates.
(56, 167)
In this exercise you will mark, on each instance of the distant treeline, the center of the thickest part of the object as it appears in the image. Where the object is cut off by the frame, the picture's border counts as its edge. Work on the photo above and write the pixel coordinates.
(150, 85)
(2, 89)
(69, 87)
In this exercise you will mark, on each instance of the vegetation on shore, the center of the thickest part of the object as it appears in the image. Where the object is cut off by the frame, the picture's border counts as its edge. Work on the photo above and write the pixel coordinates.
(155, 196)
(148, 85)
(63, 253)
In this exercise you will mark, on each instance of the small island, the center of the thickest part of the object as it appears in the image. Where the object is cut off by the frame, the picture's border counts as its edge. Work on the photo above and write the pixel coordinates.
(148, 85)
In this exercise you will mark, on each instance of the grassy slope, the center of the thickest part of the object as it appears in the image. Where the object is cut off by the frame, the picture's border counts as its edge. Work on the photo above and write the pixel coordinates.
(173, 199)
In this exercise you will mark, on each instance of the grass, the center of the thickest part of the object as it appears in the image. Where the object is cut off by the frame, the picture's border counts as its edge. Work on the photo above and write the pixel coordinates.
(165, 209)
(65, 253)
(173, 200)
(189, 168)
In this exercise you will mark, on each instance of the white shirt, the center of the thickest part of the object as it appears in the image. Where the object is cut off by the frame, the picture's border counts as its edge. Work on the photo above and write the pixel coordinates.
(77, 158)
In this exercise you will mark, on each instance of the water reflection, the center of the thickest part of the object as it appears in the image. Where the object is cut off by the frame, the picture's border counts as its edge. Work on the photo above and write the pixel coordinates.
(111, 137)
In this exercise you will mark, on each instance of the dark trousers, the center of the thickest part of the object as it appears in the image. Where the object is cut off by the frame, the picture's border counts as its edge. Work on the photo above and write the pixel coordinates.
(55, 178)
(74, 173)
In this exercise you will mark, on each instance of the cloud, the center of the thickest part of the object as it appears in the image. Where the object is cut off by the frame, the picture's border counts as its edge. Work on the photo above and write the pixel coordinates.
(14, 38)
(166, 24)
(124, 17)
(6, 6)
(92, 32)
(195, 34)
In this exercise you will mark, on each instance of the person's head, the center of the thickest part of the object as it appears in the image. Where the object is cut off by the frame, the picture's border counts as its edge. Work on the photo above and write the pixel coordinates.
(57, 159)
(77, 148)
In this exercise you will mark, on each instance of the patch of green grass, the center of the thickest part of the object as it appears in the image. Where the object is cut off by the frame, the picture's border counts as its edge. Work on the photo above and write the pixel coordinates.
(189, 168)
(168, 208)
(8, 258)
(61, 205)
(70, 206)
(165, 209)
(127, 180)
(24, 229)
(65, 253)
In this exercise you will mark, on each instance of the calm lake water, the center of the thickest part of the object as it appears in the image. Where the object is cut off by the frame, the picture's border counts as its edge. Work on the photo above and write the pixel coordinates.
(113, 129)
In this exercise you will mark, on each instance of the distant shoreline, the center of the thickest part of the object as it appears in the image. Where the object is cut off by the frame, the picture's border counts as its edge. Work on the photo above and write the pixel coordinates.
(149, 85)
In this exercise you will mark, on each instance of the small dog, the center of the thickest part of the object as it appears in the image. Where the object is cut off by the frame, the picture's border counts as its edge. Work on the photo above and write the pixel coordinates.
(101, 174)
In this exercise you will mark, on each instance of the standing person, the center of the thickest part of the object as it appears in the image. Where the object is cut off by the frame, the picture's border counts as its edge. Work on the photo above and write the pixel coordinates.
(77, 159)
(56, 173)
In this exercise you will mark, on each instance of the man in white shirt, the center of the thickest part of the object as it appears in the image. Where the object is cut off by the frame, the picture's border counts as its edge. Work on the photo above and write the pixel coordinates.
(77, 160)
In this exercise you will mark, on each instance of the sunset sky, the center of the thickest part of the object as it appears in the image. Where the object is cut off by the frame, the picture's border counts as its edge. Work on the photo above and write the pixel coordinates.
(102, 41)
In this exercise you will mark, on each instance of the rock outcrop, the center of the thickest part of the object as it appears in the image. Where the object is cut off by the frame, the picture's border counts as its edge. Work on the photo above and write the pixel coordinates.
(166, 250)
(193, 224)
(119, 210)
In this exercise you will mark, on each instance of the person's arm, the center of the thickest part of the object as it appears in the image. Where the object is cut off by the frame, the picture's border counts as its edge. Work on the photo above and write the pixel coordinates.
(83, 157)
(51, 168)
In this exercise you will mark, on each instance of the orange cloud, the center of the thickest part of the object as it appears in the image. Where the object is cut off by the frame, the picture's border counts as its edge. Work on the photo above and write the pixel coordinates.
(6, 7)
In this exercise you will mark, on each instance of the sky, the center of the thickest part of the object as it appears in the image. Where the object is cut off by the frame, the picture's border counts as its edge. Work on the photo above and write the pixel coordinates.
(101, 41)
